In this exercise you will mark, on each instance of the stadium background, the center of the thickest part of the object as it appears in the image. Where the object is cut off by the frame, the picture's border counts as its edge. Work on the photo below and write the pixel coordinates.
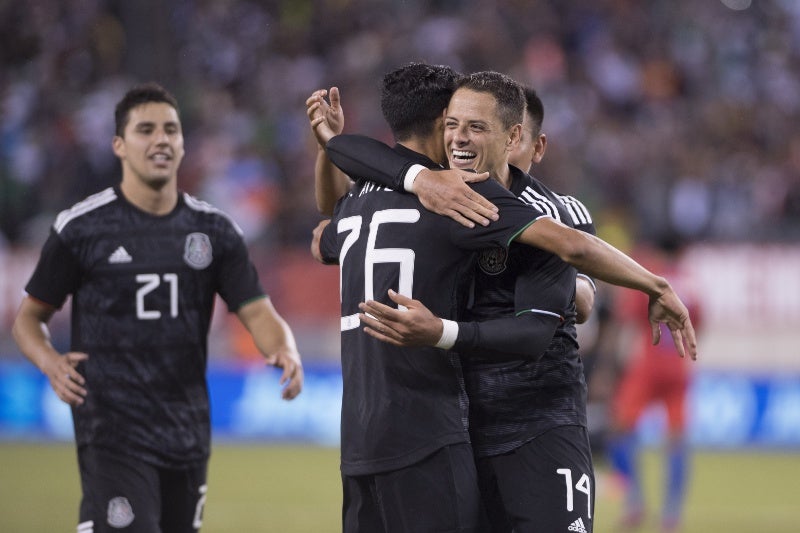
(665, 118)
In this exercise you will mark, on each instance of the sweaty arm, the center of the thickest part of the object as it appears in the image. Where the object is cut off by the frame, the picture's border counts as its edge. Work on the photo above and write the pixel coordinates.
(275, 341)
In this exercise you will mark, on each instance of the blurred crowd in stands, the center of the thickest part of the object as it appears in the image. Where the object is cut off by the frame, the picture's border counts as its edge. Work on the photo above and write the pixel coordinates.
(663, 117)
(658, 117)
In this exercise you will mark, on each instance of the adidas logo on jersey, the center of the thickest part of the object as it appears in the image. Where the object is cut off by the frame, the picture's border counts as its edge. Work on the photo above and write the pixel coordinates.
(578, 526)
(120, 255)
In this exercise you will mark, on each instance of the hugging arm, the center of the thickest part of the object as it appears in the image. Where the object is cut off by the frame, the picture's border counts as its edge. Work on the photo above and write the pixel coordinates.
(444, 192)
(527, 335)
(600, 260)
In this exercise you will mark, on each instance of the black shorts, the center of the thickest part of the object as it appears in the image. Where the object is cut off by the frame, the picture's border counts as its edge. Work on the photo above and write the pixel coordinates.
(438, 494)
(121, 493)
(546, 484)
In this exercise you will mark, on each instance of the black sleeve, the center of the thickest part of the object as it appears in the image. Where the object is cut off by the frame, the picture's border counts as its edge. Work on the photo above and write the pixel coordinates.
(328, 245)
(542, 293)
(57, 274)
(238, 281)
(527, 335)
(362, 157)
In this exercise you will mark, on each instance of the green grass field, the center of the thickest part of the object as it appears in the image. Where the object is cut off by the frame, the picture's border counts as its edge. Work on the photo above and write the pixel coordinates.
(296, 490)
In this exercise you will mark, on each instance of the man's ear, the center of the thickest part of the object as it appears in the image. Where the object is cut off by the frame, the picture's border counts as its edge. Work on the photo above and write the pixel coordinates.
(514, 137)
(118, 146)
(539, 148)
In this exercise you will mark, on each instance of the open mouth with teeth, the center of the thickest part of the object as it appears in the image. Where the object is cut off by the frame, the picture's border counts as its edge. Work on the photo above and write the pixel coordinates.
(462, 156)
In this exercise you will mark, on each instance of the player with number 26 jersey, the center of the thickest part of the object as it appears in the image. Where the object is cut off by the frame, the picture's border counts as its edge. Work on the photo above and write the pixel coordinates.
(401, 404)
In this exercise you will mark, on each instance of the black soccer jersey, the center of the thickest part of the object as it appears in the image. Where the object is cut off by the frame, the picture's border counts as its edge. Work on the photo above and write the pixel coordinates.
(143, 290)
(516, 399)
(401, 404)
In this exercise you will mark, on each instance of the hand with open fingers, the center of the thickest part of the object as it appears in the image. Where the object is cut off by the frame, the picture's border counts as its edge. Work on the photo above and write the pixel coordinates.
(412, 324)
(326, 119)
(445, 192)
(67, 383)
(670, 310)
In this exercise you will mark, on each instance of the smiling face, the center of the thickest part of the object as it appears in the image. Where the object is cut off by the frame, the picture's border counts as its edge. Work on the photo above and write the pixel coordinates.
(151, 147)
(474, 134)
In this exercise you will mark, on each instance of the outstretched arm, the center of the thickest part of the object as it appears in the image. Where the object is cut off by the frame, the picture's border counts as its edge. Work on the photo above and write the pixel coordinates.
(600, 260)
(275, 341)
(33, 338)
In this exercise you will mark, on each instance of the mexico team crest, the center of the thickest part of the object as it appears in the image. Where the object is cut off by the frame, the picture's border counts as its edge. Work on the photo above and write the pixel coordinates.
(120, 512)
(493, 261)
(198, 253)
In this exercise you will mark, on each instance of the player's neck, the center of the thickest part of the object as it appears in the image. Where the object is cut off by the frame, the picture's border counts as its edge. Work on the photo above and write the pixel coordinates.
(502, 174)
(151, 199)
(428, 146)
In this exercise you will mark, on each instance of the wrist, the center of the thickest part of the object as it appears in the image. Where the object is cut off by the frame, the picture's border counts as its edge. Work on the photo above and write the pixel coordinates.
(411, 176)
(662, 286)
(449, 334)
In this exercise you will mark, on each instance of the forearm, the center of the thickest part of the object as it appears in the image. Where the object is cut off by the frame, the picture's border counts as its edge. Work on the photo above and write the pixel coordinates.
(592, 256)
(33, 339)
(269, 330)
(527, 335)
(605, 262)
(361, 157)
(330, 183)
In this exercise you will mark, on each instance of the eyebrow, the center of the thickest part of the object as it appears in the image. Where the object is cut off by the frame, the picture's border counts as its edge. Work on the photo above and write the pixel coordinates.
(150, 123)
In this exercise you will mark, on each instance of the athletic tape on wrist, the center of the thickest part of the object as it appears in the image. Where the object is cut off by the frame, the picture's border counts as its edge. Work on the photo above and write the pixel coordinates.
(449, 334)
(411, 175)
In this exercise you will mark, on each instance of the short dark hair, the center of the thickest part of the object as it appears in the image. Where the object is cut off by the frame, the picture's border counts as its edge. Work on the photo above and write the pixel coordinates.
(136, 96)
(535, 109)
(414, 96)
(508, 93)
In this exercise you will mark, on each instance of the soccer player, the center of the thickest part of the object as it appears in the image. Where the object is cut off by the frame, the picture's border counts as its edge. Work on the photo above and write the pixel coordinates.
(504, 392)
(143, 263)
(405, 456)
(651, 376)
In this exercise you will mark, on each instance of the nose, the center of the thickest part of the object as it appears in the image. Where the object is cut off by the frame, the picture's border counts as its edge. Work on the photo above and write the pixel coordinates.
(161, 137)
(460, 136)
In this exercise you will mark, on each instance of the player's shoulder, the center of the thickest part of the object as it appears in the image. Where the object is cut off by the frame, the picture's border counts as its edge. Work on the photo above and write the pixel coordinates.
(581, 216)
(84, 210)
(491, 188)
(205, 209)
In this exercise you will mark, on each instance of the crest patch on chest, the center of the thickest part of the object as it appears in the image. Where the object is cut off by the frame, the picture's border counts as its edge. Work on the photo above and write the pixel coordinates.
(493, 261)
(197, 252)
